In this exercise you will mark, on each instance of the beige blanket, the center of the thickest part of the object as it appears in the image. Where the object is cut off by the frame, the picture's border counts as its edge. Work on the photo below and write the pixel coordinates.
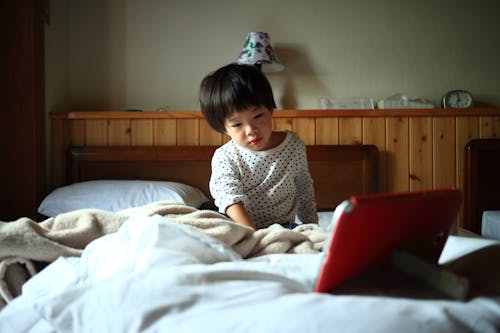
(24, 240)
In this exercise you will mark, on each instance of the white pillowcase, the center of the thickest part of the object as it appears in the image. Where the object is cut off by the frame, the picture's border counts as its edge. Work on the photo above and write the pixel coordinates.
(115, 195)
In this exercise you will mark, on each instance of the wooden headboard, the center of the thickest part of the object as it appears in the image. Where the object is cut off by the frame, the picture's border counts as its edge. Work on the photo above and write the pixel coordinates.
(338, 171)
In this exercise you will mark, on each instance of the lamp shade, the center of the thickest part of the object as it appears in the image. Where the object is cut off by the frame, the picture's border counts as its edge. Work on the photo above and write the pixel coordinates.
(258, 51)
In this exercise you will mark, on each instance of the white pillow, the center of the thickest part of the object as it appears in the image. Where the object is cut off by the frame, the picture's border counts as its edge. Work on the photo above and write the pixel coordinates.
(115, 195)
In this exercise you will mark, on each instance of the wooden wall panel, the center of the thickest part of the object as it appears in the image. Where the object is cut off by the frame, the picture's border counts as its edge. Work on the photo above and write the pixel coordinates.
(327, 131)
(77, 128)
(306, 128)
(374, 133)
(397, 158)
(208, 136)
(188, 132)
(96, 132)
(489, 126)
(282, 124)
(417, 149)
(141, 132)
(119, 132)
(165, 132)
(351, 130)
(444, 158)
(420, 153)
(495, 127)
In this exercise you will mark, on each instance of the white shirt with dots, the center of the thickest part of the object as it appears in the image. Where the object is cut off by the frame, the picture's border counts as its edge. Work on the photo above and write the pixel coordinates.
(274, 185)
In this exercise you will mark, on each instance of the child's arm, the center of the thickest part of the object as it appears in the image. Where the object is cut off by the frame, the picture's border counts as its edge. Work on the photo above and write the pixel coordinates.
(306, 208)
(239, 214)
(306, 203)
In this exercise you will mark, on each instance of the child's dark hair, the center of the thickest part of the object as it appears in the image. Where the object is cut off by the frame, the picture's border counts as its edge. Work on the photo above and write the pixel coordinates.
(233, 88)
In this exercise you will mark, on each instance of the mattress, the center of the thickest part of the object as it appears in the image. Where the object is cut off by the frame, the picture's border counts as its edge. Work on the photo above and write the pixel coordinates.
(490, 225)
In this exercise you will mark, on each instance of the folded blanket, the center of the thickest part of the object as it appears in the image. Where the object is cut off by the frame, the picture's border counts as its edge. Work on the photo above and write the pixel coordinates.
(308, 238)
(25, 240)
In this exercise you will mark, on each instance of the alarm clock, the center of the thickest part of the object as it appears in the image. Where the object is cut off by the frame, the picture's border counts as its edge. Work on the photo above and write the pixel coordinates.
(457, 99)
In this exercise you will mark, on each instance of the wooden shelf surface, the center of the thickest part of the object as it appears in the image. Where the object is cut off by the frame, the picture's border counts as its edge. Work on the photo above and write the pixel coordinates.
(194, 114)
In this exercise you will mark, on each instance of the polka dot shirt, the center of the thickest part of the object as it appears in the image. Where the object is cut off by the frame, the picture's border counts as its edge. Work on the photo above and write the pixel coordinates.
(274, 185)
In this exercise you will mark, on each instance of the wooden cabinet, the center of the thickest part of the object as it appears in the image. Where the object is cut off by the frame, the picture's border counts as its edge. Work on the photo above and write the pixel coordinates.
(419, 148)
(22, 130)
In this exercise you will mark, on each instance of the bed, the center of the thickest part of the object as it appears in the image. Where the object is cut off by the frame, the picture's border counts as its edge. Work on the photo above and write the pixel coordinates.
(169, 266)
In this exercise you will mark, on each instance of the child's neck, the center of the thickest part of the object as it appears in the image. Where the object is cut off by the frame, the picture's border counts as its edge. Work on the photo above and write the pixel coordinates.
(276, 139)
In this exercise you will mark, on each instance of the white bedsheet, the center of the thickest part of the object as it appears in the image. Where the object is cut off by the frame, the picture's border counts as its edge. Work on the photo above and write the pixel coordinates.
(155, 275)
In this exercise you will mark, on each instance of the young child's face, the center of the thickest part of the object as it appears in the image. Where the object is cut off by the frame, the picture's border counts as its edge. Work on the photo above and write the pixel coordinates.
(251, 128)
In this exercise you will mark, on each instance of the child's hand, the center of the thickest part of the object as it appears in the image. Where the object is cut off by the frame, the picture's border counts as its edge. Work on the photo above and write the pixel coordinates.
(239, 214)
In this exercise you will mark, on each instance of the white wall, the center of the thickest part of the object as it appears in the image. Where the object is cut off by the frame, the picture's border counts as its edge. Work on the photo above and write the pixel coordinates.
(114, 54)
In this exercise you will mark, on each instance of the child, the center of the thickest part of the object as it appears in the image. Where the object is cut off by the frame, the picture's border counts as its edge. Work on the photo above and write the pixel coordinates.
(261, 176)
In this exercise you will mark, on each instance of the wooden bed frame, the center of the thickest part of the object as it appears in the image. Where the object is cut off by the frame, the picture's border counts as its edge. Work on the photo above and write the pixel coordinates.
(338, 171)
(481, 181)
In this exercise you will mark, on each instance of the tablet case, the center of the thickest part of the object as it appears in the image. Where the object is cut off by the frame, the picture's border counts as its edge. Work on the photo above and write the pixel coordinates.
(367, 229)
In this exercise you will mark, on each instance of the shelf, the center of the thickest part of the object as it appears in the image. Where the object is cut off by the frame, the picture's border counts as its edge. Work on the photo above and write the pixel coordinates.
(194, 114)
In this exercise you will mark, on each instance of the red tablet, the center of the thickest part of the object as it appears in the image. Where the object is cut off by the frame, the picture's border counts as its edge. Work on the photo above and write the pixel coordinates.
(367, 228)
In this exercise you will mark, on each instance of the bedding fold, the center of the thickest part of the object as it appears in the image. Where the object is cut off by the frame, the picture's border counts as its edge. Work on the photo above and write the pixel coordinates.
(69, 233)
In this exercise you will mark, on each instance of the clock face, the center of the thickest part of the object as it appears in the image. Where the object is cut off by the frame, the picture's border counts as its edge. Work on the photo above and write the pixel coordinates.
(457, 99)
